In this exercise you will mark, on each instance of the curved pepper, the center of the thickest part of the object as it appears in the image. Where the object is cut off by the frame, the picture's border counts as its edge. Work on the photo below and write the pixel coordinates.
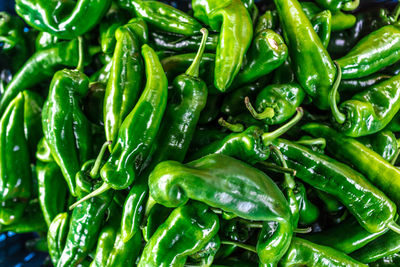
(87, 218)
(40, 66)
(384, 143)
(313, 66)
(375, 51)
(65, 127)
(185, 232)
(57, 235)
(251, 145)
(163, 16)
(348, 186)
(165, 41)
(126, 78)
(174, 137)
(266, 53)
(277, 103)
(49, 16)
(380, 172)
(347, 236)
(231, 18)
(309, 213)
(370, 110)
(16, 183)
(233, 186)
(304, 253)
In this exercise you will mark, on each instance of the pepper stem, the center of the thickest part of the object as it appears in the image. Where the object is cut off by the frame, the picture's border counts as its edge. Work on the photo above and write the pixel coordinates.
(81, 54)
(233, 127)
(266, 137)
(268, 113)
(103, 188)
(94, 173)
(193, 70)
(394, 227)
(350, 6)
(240, 245)
(303, 230)
(289, 181)
(312, 142)
(339, 116)
(276, 168)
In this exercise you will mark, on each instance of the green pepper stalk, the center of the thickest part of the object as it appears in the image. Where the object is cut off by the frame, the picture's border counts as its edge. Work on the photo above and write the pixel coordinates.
(369, 111)
(346, 237)
(173, 139)
(163, 16)
(348, 186)
(304, 253)
(276, 103)
(126, 78)
(16, 182)
(138, 131)
(380, 172)
(233, 186)
(46, 16)
(87, 218)
(233, 21)
(251, 145)
(233, 127)
(313, 66)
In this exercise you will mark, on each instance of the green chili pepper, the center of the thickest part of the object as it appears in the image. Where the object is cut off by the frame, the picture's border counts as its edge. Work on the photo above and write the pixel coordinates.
(16, 182)
(206, 255)
(220, 182)
(304, 253)
(384, 143)
(348, 186)
(375, 51)
(322, 23)
(388, 261)
(33, 103)
(126, 79)
(251, 145)
(277, 103)
(51, 184)
(87, 217)
(361, 84)
(172, 42)
(185, 232)
(60, 19)
(269, 20)
(369, 111)
(13, 41)
(189, 96)
(382, 246)
(266, 53)
(138, 131)
(231, 18)
(342, 21)
(309, 213)
(65, 127)
(39, 67)
(346, 237)
(335, 5)
(57, 235)
(313, 66)
(380, 172)
(163, 16)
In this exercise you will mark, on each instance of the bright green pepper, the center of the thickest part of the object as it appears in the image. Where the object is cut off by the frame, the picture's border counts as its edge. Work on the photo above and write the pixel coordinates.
(313, 66)
(59, 18)
(16, 182)
(45, 40)
(269, 20)
(65, 127)
(384, 143)
(165, 41)
(185, 232)
(231, 18)
(206, 255)
(220, 182)
(375, 51)
(304, 253)
(57, 235)
(335, 5)
(163, 16)
(322, 23)
(309, 213)
(126, 79)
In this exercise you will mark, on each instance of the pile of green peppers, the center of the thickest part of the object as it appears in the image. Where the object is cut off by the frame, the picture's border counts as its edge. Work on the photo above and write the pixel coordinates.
(133, 133)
